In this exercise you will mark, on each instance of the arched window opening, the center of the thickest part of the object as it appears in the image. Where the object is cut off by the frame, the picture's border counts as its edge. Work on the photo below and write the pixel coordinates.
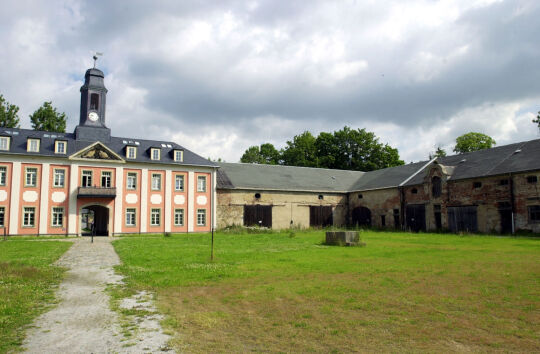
(94, 101)
(436, 187)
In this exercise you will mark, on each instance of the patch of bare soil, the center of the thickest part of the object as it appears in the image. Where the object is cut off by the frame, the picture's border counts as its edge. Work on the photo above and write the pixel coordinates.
(83, 322)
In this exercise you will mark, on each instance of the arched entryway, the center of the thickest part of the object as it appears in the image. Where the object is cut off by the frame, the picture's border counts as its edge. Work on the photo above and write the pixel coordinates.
(361, 216)
(94, 220)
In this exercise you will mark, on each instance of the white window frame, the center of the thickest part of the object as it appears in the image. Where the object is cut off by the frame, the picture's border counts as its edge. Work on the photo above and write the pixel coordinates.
(153, 155)
(129, 176)
(179, 217)
(30, 147)
(109, 179)
(59, 172)
(57, 217)
(57, 145)
(131, 217)
(29, 214)
(178, 155)
(131, 152)
(177, 187)
(201, 217)
(27, 173)
(201, 188)
(154, 187)
(2, 216)
(91, 178)
(3, 175)
(153, 213)
(4, 143)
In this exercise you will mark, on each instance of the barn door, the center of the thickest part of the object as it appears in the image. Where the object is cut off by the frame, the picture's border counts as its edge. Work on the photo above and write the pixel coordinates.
(258, 215)
(320, 216)
(416, 217)
(361, 216)
(505, 213)
(462, 219)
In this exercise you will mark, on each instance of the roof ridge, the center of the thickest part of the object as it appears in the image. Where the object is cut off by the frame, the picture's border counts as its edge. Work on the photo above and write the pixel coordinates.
(312, 168)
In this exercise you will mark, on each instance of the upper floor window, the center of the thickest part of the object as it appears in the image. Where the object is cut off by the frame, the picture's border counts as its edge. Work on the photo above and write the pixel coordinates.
(59, 177)
(201, 184)
(532, 179)
(60, 147)
(32, 145)
(131, 182)
(94, 101)
(414, 191)
(436, 187)
(156, 181)
(155, 154)
(179, 183)
(106, 179)
(503, 182)
(3, 175)
(31, 177)
(86, 179)
(477, 184)
(131, 152)
(4, 143)
(178, 155)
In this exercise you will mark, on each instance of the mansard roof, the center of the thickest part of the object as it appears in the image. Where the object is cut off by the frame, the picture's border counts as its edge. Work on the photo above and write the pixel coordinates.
(501, 160)
(116, 144)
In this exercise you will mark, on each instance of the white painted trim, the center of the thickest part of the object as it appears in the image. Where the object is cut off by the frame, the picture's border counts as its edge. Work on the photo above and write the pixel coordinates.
(144, 199)
(168, 200)
(191, 185)
(73, 184)
(119, 200)
(417, 172)
(214, 199)
(44, 198)
(15, 196)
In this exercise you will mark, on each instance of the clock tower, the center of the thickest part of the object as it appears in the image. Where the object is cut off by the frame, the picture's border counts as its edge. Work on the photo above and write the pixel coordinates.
(93, 98)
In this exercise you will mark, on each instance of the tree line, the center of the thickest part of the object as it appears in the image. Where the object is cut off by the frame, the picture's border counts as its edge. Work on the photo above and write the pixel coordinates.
(45, 118)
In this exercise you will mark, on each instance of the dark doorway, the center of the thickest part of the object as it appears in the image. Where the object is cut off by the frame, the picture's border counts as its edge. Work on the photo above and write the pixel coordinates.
(415, 217)
(258, 215)
(462, 219)
(95, 220)
(438, 218)
(320, 216)
(361, 216)
(505, 213)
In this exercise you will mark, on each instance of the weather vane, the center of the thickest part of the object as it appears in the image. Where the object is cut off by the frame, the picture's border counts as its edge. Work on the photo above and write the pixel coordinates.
(96, 54)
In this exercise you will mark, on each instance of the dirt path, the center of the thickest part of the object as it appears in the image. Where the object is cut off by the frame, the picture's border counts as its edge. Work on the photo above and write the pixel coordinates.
(83, 321)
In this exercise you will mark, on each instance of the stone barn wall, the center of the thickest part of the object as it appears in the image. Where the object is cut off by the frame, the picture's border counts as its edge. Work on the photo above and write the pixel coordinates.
(381, 202)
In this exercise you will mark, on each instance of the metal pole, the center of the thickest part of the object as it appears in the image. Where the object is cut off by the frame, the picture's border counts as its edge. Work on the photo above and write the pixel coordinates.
(5, 236)
(212, 253)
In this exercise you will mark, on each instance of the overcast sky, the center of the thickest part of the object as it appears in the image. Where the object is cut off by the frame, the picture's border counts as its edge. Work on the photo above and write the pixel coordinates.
(220, 76)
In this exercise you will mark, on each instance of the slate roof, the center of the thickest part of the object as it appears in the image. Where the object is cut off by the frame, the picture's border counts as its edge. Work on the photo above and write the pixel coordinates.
(284, 178)
(513, 158)
(117, 144)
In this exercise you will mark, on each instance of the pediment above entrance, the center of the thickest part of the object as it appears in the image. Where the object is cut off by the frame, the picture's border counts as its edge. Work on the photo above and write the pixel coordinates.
(97, 151)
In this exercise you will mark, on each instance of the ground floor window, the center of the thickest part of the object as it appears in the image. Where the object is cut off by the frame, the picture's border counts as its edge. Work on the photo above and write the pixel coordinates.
(534, 213)
(155, 217)
(29, 217)
(130, 217)
(2, 216)
(179, 217)
(201, 217)
(57, 217)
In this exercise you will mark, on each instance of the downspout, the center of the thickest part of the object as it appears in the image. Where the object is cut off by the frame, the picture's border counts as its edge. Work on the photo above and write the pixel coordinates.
(401, 192)
(512, 201)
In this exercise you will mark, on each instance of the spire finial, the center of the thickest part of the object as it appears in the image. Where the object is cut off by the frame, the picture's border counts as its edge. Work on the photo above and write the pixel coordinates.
(95, 57)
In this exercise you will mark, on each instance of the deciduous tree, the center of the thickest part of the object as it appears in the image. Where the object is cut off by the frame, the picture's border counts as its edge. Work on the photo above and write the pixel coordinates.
(46, 118)
(8, 114)
(265, 154)
(472, 142)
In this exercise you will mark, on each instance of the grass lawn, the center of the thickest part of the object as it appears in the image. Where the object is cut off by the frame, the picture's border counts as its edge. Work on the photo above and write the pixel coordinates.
(403, 292)
(26, 285)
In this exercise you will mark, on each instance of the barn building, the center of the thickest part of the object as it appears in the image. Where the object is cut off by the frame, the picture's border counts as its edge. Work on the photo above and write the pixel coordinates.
(91, 182)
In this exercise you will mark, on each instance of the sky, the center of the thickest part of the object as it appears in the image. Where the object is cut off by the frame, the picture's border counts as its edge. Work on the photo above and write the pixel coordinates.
(219, 76)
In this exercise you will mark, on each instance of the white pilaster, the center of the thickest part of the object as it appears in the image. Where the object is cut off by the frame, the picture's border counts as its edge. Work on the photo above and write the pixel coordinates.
(119, 200)
(144, 199)
(168, 200)
(73, 184)
(15, 196)
(44, 198)
(191, 200)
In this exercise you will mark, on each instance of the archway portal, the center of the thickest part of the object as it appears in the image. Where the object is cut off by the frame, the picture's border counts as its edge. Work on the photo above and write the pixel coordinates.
(95, 220)
(361, 216)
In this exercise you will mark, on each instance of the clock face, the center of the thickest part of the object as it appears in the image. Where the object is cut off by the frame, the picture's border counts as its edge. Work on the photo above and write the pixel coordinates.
(93, 116)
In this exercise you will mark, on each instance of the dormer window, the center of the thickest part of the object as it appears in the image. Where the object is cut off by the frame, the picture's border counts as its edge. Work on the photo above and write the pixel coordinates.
(178, 155)
(60, 147)
(155, 153)
(4, 143)
(131, 152)
(32, 145)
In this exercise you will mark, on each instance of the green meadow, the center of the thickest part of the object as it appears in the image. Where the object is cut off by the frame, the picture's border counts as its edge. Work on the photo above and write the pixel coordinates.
(27, 282)
(288, 292)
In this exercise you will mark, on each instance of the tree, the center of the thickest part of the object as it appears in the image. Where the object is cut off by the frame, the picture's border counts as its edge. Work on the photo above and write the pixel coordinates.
(265, 154)
(301, 151)
(440, 152)
(46, 118)
(472, 142)
(8, 114)
(537, 120)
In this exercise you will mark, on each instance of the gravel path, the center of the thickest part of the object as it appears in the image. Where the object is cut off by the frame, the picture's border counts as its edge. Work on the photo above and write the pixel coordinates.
(83, 321)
